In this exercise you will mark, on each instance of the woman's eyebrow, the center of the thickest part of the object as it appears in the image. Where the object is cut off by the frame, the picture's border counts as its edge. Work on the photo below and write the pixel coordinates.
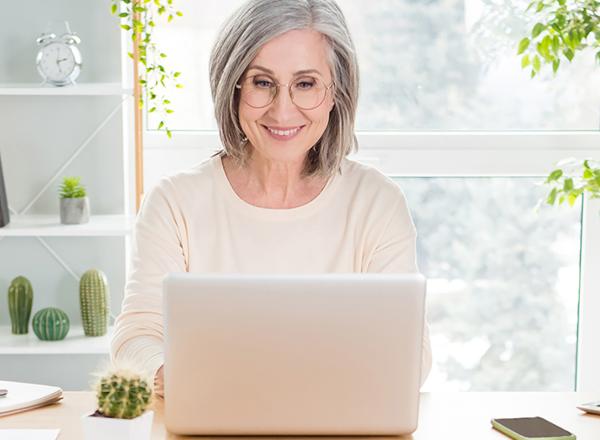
(299, 72)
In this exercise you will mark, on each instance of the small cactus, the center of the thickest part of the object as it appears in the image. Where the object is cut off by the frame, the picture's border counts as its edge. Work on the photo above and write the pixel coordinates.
(94, 302)
(51, 324)
(123, 394)
(20, 300)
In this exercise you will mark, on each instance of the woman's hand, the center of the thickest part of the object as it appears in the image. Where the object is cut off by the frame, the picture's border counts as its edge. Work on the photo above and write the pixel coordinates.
(159, 388)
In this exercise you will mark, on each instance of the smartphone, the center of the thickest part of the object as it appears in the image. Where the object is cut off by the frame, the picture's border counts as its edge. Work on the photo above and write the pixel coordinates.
(526, 428)
(591, 407)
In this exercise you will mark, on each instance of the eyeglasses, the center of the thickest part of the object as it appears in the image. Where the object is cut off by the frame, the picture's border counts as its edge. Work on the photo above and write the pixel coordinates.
(259, 91)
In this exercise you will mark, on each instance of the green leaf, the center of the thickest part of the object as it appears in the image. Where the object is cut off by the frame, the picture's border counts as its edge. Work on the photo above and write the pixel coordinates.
(569, 54)
(166, 101)
(554, 176)
(153, 109)
(587, 174)
(113, 8)
(168, 110)
(126, 27)
(555, 44)
(536, 64)
(540, 6)
(179, 13)
(170, 18)
(555, 65)
(161, 125)
(525, 61)
(176, 74)
(573, 197)
(123, 14)
(598, 57)
(163, 55)
(568, 185)
(545, 47)
(530, 5)
(552, 197)
(169, 133)
(179, 86)
(537, 29)
(523, 45)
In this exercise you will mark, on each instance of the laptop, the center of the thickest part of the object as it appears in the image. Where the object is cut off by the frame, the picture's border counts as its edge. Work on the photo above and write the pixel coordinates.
(329, 354)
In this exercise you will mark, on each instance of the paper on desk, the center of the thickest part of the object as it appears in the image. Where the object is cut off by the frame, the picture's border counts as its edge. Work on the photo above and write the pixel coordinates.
(29, 434)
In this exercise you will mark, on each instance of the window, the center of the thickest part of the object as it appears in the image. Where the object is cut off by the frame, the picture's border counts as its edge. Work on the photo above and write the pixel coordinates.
(503, 283)
(434, 65)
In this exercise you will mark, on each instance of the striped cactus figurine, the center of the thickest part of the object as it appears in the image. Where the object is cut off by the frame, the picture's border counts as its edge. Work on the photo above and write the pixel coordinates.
(95, 302)
(20, 299)
(50, 324)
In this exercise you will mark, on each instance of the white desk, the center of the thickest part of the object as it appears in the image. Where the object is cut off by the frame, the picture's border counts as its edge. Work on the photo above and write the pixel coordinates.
(442, 415)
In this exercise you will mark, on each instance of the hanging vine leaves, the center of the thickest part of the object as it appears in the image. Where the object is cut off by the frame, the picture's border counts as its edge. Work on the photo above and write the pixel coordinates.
(138, 18)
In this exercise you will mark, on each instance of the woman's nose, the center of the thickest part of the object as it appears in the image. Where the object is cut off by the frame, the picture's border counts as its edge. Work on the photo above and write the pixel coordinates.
(283, 104)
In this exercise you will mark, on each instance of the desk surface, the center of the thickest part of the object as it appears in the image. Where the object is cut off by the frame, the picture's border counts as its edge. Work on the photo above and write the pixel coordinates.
(442, 415)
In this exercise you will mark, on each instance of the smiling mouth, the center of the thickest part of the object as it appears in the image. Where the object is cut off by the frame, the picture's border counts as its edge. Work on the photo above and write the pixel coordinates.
(283, 134)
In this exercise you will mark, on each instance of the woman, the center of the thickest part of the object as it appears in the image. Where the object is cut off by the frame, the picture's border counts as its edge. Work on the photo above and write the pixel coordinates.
(281, 196)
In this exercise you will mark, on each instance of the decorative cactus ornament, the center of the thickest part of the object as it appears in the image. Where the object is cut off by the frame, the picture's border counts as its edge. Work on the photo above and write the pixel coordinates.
(123, 394)
(50, 324)
(94, 301)
(20, 300)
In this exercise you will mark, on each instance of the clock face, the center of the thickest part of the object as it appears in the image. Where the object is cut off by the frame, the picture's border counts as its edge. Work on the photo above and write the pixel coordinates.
(58, 63)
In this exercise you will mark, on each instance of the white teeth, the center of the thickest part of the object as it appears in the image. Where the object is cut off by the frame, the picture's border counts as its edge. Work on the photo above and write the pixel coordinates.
(284, 132)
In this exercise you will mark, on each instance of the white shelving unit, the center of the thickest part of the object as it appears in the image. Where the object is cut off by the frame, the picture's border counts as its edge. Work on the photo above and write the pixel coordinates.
(83, 89)
(68, 363)
(50, 226)
(75, 343)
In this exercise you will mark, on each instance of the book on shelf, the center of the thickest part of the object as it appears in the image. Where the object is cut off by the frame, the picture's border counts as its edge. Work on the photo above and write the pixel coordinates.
(19, 396)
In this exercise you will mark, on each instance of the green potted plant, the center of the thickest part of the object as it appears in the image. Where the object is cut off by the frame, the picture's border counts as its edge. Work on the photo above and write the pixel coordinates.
(74, 204)
(123, 397)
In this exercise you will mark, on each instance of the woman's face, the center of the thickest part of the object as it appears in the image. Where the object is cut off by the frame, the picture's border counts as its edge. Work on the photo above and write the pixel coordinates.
(281, 131)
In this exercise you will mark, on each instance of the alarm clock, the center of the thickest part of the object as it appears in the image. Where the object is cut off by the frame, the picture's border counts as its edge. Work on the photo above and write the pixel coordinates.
(59, 60)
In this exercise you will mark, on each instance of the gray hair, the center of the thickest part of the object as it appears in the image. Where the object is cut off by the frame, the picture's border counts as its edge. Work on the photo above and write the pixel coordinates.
(238, 43)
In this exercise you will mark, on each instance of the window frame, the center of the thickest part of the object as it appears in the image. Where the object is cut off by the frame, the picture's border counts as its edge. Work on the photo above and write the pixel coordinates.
(475, 154)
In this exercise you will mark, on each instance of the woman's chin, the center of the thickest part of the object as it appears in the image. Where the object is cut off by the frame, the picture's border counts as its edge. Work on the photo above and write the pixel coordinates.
(283, 153)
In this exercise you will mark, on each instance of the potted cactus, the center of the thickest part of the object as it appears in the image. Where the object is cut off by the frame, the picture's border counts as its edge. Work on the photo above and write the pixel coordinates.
(123, 398)
(74, 204)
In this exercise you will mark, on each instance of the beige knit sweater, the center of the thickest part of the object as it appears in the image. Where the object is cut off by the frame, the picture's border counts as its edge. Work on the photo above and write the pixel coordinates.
(193, 221)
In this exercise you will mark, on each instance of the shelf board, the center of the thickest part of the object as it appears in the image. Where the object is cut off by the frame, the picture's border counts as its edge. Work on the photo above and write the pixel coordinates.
(50, 226)
(83, 89)
(75, 343)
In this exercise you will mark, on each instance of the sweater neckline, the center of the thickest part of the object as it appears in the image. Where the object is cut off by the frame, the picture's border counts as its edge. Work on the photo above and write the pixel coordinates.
(270, 213)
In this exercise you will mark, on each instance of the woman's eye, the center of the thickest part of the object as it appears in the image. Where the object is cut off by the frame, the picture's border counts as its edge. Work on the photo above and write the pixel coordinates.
(305, 84)
(263, 83)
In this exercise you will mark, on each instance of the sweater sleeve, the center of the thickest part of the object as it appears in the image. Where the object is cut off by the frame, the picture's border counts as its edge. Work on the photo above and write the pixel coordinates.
(159, 247)
(395, 252)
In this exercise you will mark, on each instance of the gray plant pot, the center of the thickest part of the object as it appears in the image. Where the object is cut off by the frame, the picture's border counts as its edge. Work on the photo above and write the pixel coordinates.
(74, 211)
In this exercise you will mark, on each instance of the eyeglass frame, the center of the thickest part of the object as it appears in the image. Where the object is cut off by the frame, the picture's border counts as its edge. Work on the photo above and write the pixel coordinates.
(289, 87)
